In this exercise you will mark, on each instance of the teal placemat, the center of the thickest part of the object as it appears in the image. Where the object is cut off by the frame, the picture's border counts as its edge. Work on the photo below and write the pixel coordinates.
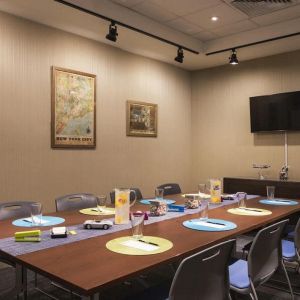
(49, 221)
(278, 202)
(147, 201)
(209, 225)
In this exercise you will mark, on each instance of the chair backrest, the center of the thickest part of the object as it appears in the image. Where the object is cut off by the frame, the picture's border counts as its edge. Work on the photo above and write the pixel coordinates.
(203, 275)
(265, 253)
(170, 188)
(75, 202)
(15, 209)
(138, 192)
(297, 237)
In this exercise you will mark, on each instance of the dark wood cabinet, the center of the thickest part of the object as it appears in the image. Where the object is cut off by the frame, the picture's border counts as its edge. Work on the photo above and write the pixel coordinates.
(284, 189)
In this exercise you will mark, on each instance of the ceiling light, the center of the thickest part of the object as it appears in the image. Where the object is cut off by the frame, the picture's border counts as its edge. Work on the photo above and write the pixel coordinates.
(214, 18)
(112, 34)
(180, 56)
(233, 60)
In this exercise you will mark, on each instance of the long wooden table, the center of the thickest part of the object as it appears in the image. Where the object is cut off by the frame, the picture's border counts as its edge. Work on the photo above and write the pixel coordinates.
(87, 267)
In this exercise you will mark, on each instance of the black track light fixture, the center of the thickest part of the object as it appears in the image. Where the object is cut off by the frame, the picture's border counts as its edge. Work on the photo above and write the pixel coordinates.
(233, 60)
(180, 55)
(113, 32)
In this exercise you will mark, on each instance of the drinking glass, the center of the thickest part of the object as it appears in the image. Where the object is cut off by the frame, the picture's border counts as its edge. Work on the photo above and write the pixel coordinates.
(137, 223)
(270, 192)
(36, 213)
(101, 203)
(241, 197)
(202, 188)
(159, 194)
(203, 213)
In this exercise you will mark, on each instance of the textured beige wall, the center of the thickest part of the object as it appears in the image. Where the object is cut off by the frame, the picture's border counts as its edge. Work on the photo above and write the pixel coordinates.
(222, 143)
(30, 169)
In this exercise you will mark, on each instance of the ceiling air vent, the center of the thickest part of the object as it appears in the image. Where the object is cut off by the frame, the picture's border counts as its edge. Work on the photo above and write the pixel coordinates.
(258, 8)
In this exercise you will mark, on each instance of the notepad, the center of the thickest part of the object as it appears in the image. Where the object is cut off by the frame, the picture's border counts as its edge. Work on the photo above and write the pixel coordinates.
(139, 245)
(203, 223)
(37, 220)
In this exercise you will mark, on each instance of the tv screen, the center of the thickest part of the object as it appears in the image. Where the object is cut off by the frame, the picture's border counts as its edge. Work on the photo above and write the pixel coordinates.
(275, 112)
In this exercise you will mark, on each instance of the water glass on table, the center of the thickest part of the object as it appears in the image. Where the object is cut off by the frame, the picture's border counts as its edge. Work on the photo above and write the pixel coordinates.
(270, 192)
(101, 203)
(159, 194)
(202, 188)
(241, 197)
(137, 224)
(36, 214)
(203, 213)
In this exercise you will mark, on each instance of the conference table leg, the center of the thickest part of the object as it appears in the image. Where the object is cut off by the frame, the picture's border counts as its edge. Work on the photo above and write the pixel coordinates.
(21, 281)
(92, 297)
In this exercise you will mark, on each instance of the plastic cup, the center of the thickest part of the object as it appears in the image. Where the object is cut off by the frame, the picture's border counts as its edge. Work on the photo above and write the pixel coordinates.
(241, 197)
(159, 194)
(101, 203)
(270, 192)
(36, 213)
(203, 213)
(137, 224)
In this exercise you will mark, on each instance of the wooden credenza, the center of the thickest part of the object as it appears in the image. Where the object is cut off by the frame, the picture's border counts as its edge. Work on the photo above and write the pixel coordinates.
(284, 189)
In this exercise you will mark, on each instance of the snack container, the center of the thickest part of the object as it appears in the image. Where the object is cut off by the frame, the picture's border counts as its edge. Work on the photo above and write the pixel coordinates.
(192, 203)
(158, 208)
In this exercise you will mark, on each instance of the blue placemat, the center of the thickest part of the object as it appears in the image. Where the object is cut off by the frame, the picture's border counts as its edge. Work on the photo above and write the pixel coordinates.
(278, 202)
(209, 225)
(50, 222)
(147, 201)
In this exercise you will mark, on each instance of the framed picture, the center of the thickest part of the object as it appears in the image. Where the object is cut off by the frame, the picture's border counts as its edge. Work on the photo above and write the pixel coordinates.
(141, 119)
(73, 109)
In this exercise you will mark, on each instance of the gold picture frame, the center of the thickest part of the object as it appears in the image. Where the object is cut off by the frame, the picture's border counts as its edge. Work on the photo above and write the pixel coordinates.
(141, 119)
(73, 109)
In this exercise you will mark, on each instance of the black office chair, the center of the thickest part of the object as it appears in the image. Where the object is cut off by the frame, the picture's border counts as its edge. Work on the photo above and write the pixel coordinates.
(264, 258)
(204, 275)
(75, 202)
(138, 192)
(170, 188)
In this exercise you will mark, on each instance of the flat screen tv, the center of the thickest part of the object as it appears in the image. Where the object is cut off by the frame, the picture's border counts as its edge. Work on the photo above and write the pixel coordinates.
(275, 112)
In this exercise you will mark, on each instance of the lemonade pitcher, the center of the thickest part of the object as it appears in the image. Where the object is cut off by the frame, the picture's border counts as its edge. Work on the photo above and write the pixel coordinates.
(215, 190)
(122, 205)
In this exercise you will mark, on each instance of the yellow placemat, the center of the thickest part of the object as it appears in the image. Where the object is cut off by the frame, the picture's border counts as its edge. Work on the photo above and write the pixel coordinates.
(127, 245)
(94, 212)
(249, 211)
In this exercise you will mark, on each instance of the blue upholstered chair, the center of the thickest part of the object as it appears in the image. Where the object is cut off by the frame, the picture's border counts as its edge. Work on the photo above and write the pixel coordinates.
(264, 258)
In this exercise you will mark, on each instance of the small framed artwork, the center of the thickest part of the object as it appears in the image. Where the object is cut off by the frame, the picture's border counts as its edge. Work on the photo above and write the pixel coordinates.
(73, 109)
(141, 119)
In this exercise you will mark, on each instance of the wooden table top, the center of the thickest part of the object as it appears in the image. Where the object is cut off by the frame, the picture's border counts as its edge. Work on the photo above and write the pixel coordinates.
(87, 266)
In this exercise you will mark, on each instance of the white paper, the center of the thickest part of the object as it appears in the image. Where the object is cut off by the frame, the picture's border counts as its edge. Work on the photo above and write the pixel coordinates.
(37, 220)
(201, 195)
(59, 230)
(203, 223)
(140, 245)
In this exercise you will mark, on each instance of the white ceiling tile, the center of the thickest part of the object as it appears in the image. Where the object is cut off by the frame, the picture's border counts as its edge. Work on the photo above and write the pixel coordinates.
(184, 26)
(234, 28)
(205, 36)
(127, 3)
(225, 13)
(278, 16)
(181, 8)
(154, 12)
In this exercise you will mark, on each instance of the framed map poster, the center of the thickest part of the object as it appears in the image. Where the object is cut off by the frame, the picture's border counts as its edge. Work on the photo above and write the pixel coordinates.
(141, 119)
(73, 109)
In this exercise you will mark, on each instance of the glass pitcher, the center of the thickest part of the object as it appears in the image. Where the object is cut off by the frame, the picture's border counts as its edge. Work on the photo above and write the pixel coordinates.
(122, 205)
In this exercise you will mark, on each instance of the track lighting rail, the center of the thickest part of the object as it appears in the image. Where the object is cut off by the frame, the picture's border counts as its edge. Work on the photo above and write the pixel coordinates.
(125, 25)
(254, 43)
